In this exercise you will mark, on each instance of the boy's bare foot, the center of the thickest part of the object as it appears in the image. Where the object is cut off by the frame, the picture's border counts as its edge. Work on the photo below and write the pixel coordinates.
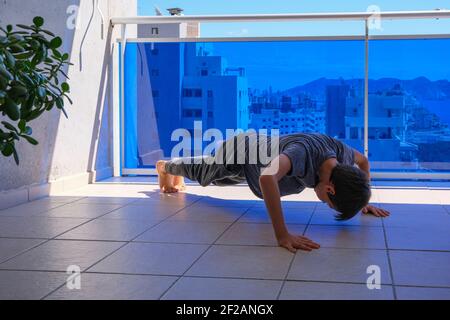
(165, 180)
(178, 183)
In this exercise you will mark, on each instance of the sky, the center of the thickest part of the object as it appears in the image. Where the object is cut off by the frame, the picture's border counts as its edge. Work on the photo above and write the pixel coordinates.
(211, 7)
(294, 63)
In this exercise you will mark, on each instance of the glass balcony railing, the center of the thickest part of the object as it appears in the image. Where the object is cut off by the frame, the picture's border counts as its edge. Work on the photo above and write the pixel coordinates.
(292, 85)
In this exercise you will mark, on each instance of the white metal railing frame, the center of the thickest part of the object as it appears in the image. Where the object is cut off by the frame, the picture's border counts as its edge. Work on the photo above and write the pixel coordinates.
(298, 17)
(332, 16)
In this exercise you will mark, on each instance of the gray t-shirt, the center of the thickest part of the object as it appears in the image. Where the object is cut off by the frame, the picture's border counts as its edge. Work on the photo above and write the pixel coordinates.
(307, 151)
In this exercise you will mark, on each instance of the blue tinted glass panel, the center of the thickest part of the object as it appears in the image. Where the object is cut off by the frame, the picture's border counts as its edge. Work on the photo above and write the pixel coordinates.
(409, 105)
(292, 86)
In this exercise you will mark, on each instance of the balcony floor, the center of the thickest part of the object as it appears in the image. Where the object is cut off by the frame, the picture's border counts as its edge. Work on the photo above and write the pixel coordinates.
(130, 242)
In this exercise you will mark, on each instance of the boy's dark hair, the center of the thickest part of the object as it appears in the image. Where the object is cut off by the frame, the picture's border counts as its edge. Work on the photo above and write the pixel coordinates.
(352, 190)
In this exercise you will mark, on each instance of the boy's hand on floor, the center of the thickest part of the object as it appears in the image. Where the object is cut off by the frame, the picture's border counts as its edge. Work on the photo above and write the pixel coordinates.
(377, 212)
(292, 243)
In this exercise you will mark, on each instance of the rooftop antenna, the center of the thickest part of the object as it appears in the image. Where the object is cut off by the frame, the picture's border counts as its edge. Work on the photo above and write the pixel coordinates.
(175, 11)
(158, 11)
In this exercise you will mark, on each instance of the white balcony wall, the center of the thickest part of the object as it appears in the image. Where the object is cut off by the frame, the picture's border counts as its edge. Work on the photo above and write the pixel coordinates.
(66, 151)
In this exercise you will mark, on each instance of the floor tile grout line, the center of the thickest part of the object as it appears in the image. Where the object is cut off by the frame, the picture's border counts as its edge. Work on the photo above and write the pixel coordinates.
(56, 236)
(37, 213)
(133, 238)
(203, 253)
(225, 278)
(23, 251)
(163, 220)
(394, 291)
(230, 244)
(294, 255)
(124, 244)
(309, 223)
(24, 203)
(84, 270)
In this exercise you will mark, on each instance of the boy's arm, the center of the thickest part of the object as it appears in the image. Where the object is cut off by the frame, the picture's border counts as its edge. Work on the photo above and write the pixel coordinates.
(363, 164)
(268, 182)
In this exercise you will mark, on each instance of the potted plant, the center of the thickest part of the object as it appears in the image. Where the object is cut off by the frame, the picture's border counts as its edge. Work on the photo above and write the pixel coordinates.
(31, 67)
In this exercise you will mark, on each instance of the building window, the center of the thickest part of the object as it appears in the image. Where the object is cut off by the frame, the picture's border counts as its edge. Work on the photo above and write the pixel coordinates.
(192, 93)
(187, 92)
(155, 31)
(155, 93)
(204, 73)
(353, 133)
(210, 93)
(187, 113)
(192, 113)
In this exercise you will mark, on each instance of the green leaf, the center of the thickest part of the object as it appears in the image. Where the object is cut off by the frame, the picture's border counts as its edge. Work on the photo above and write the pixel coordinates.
(10, 60)
(8, 150)
(59, 103)
(31, 140)
(24, 55)
(18, 91)
(27, 80)
(29, 103)
(38, 21)
(34, 44)
(3, 136)
(16, 156)
(22, 124)
(9, 28)
(3, 83)
(56, 43)
(65, 87)
(65, 57)
(16, 37)
(65, 113)
(28, 131)
(35, 114)
(41, 92)
(16, 48)
(22, 26)
(68, 98)
(38, 36)
(9, 126)
(49, 105)
(5, 73)
(56, 54)
(51, 34)
(63, 73)
(12, 109)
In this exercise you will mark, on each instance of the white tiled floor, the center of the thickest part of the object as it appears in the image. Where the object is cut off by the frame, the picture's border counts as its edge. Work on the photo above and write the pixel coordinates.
(131, 242)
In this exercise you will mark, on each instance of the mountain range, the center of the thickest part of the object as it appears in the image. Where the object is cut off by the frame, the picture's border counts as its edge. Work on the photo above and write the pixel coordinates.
(422, 88)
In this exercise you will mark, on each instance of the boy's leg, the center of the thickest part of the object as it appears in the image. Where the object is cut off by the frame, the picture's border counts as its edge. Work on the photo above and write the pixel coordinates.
(166, 180)
(201, 169)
